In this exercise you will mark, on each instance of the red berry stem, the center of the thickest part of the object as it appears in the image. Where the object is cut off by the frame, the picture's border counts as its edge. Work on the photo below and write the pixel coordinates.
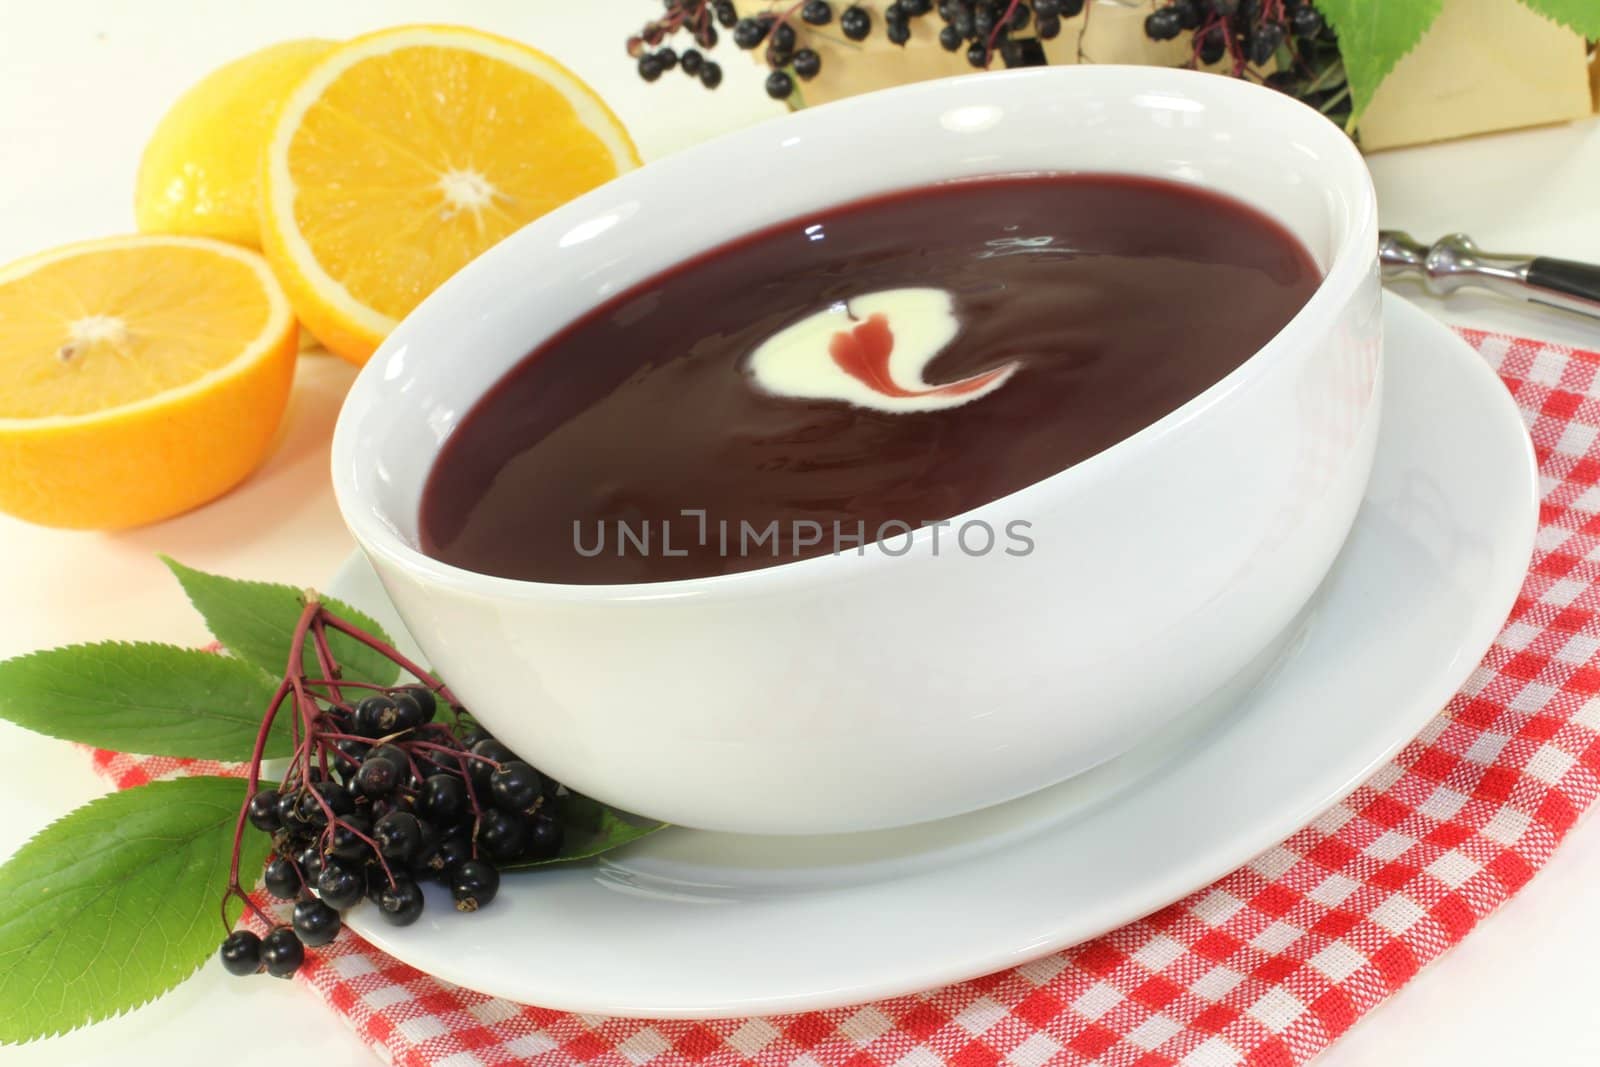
(472, 799)
(999, 25)
(383, 648)
(330, 670)
(253, 779)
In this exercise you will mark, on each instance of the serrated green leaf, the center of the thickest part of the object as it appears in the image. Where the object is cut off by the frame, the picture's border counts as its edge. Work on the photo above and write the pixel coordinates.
(1580, 15)
(1373, 36)
(592, 828)
(255, 621)
(116, 903)
(157, 699)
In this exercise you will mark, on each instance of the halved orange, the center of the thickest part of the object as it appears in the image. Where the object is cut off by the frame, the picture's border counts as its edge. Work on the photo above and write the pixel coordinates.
(142, 376)
(406, 153)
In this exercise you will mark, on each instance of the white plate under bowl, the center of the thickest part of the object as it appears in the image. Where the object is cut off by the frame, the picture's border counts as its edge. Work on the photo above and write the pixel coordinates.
(694, 924)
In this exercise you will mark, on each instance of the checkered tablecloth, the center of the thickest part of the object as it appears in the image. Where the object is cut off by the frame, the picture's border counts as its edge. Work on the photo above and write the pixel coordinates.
(1265, 967)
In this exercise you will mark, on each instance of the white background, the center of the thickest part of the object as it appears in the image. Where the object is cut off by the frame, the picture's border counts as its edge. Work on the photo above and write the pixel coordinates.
(81, 85)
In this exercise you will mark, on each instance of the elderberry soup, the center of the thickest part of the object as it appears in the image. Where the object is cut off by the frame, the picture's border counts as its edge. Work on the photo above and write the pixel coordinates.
(856, 372)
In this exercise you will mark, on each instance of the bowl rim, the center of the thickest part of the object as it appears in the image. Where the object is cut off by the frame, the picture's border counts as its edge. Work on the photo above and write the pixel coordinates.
(1348, 266)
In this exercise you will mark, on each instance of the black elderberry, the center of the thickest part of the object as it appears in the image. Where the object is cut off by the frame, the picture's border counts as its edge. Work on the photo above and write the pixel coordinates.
(401, 903)
(316, 800)
(345, 839)
(474, 884)
(516, 786)
(315, 922)
(1071, 8)
(398, 834)
(452, 852)
(473, 734)
(817, 12)
(376, 714)
(289, 812)
(1019, 17)
(711, 75)
(649, 70)
(779, 85)
(783, 37)
(978, 55)
(1046, 8)
(949, 39)
(423, 697)
(1163, 24)
(668, 59)
(390, 751)
(898, 31)
(489, 751)
(424, 858)
(241, 951)
(964, 23)
(340, 886)
(750, 32)
(777, 57)
(1188, 13)
(443, 799)
(502, 835)
(282, 878)
(428, 838)
(806, 63)
(282, 953)
(916, 8)
(1213, 46)
(690, 61)
(1047, 27)
(855, 23)
(350, 754)
(726, 13)
(264, 811)
(1306, 22)
(1264, 43)
(545, 837)
(310, 862)
(706, 36)
(377, 778)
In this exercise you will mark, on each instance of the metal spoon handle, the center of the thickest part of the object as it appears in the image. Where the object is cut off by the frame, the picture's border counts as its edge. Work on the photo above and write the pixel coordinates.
(1453, 262)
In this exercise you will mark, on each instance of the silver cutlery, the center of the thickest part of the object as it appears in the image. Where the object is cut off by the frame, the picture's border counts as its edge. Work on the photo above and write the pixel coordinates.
(1454, 262)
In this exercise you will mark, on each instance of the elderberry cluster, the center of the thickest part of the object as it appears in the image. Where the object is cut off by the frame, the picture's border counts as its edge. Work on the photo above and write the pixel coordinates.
(987, 28)
(1291, 35)
(380, 799)
(983, 29)
(699, 19)
(783, 53)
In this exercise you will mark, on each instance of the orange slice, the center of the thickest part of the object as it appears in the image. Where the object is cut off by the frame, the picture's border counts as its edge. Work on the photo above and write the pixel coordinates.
(406, 153)
(143, 376)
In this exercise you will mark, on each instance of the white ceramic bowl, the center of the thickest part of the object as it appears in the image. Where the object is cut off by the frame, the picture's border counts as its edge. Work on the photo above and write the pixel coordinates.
(861, 691)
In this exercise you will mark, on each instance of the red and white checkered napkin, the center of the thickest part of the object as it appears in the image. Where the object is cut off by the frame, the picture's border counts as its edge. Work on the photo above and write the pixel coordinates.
(1267, 966)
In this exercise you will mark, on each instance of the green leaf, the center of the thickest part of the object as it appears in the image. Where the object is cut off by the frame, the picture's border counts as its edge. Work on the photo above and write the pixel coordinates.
(255, 621)
(116, 903)
(592, 828)
(160, 700)
(1373, 36)
(1580, 15)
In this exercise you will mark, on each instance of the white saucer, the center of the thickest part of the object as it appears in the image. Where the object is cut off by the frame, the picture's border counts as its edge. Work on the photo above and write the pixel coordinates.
(693, 924)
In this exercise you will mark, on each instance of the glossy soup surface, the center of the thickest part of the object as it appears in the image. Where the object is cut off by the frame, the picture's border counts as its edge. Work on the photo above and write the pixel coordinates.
(901, 359)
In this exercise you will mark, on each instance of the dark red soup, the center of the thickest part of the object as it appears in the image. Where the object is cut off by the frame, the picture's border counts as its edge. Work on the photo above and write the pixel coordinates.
(898, 360)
